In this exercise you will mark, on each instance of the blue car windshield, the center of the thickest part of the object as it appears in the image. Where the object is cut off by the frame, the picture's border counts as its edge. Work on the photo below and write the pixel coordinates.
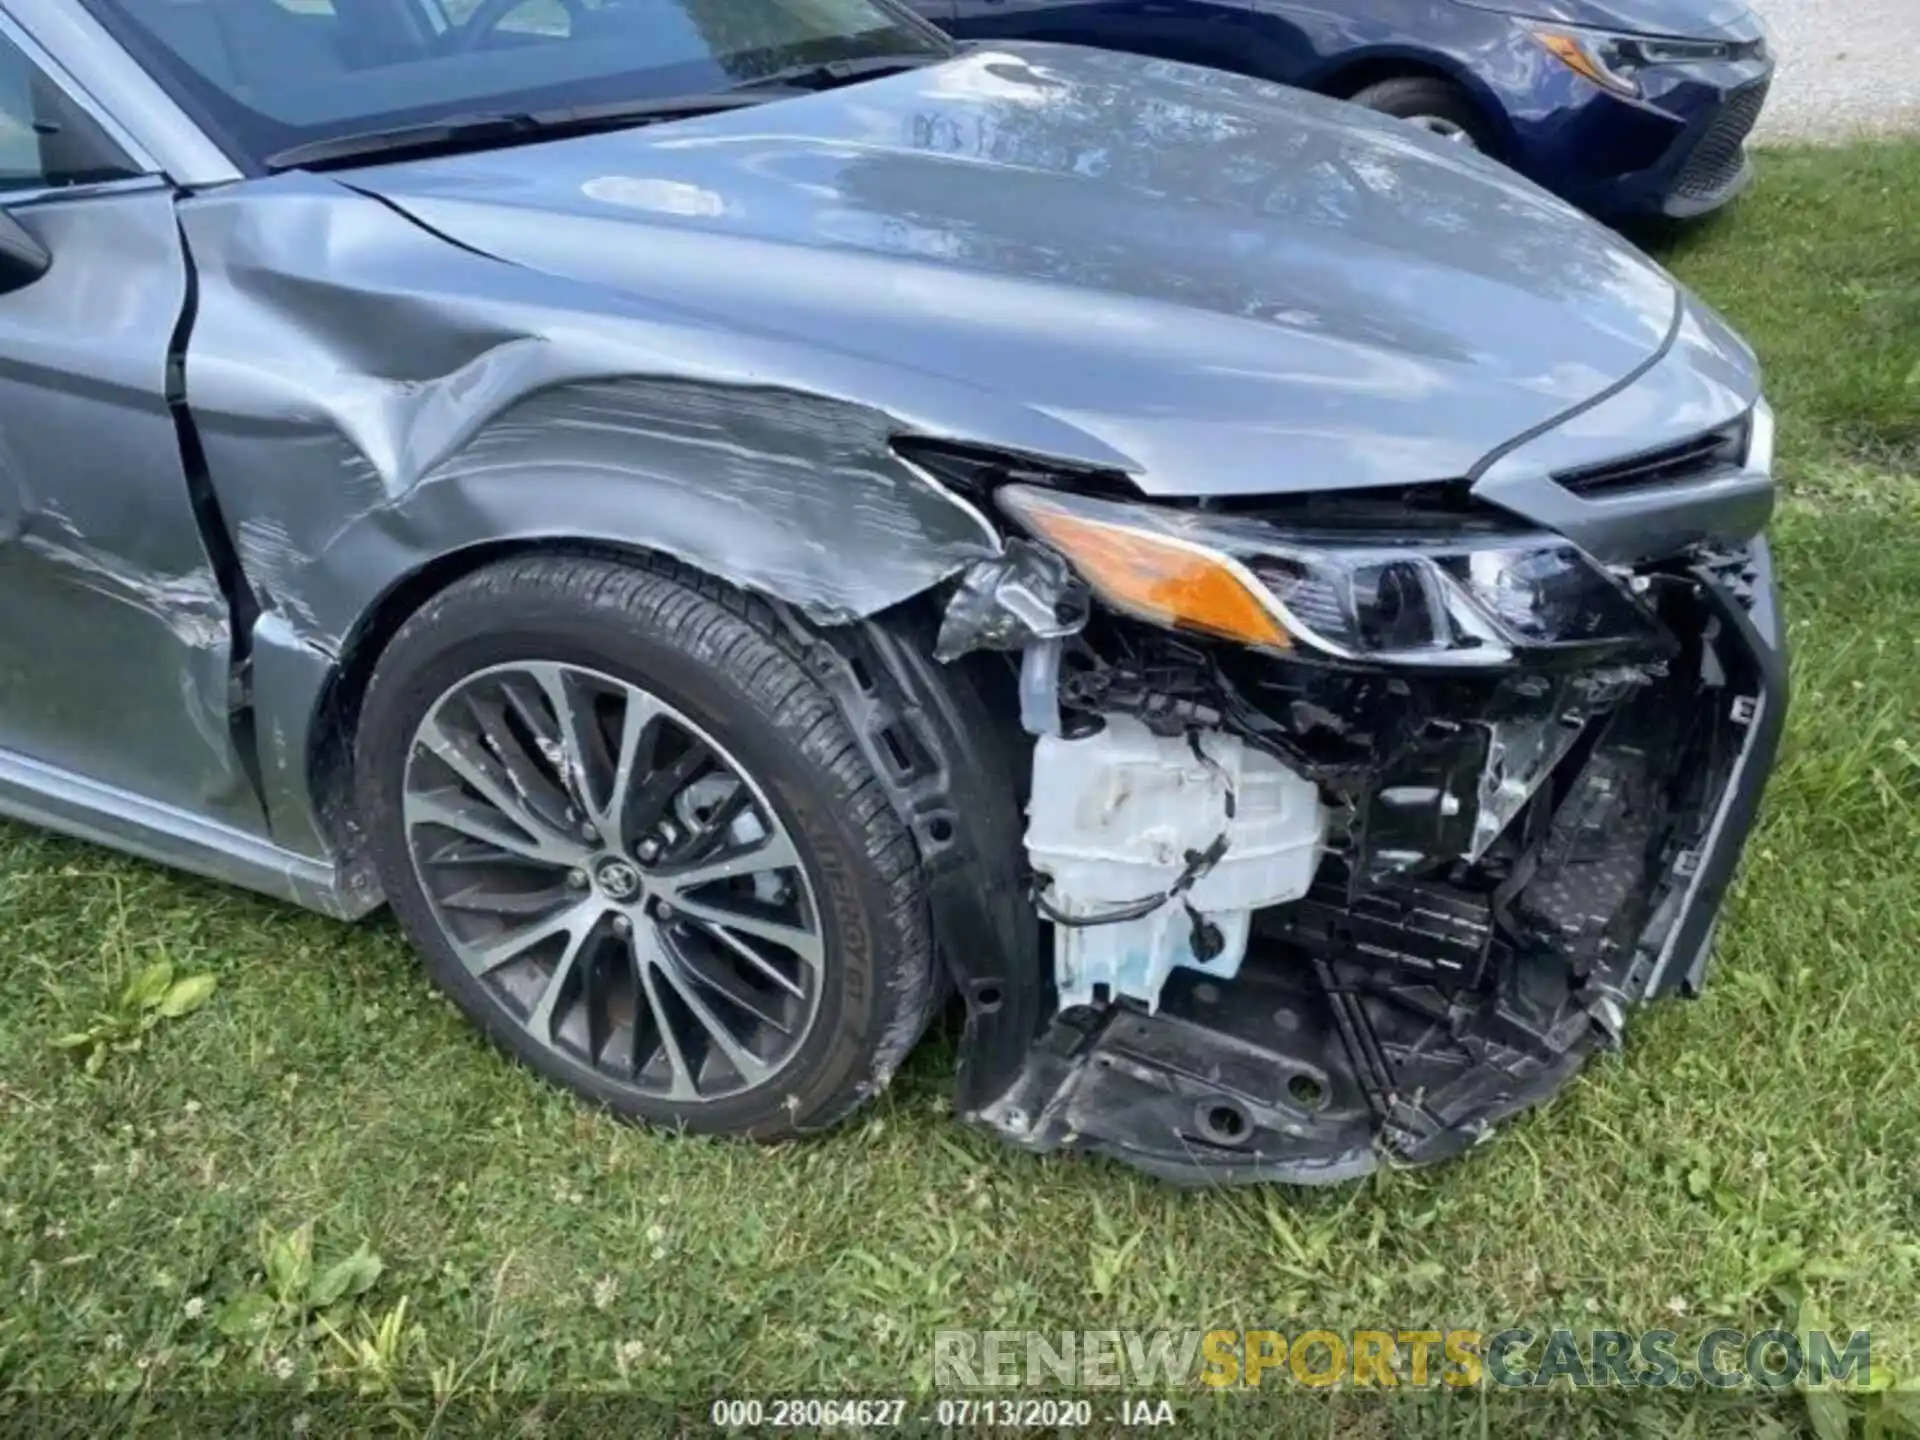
(266, 75)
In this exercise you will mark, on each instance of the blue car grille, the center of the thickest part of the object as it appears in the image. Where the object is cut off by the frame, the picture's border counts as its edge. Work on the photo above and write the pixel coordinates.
(1693, 459)
(1716, 160)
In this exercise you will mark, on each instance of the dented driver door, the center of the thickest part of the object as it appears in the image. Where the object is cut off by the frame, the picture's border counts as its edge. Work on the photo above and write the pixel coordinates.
(114, 632)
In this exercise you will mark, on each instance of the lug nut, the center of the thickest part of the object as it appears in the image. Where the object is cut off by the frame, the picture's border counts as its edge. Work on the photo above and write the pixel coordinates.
(576, 879)
(662, 911)
(622, 925)
(648, 852)
(589, 834)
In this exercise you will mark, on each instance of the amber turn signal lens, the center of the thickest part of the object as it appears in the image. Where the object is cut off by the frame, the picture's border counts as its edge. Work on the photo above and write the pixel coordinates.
(1571, 53)
(1158, 577)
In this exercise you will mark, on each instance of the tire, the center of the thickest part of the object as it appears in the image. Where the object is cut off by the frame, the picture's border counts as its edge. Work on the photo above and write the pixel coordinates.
(701, 668)
(1438, 106)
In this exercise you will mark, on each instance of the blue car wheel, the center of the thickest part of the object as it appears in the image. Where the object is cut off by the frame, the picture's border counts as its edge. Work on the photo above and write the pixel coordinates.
(1434, 105)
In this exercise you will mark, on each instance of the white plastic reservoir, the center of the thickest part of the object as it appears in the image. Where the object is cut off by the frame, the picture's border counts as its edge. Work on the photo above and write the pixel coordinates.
(1111, 822)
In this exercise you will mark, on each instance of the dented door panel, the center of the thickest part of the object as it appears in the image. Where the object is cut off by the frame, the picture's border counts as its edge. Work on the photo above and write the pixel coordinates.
(114, 646)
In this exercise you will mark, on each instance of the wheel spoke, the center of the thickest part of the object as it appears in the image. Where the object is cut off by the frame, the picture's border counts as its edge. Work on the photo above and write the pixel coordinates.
(713, 971)
(452, 810)
(634, 755)
(454, 855)
(539, 724)
(573, 737)
(647, 961)
(538, 795)
(776, 852)
(483, 899)
(749, 1066)
(753, 957)
(472, 770)
(484, 957)
(797, 938)
(540, 1022)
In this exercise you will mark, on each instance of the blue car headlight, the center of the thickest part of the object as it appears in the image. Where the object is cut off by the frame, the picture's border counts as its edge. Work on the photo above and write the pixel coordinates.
(1471, 601)
(1615, 61)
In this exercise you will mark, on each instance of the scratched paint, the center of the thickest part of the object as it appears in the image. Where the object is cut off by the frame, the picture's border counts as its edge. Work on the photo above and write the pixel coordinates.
(370, 400)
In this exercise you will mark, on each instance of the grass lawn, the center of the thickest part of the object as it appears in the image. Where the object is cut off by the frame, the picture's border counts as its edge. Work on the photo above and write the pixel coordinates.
(1761, 1144)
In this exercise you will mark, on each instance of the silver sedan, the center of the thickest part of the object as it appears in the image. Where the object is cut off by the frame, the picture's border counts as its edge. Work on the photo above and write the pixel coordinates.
(743, 523)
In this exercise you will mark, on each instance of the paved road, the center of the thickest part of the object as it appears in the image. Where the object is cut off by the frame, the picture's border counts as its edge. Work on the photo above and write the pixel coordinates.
(1846, 66)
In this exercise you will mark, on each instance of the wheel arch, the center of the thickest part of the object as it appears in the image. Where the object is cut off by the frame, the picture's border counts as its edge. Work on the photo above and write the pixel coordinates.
(820, 511)
(1357, 71)
(334, 723)
(328, 759)
(931, 735)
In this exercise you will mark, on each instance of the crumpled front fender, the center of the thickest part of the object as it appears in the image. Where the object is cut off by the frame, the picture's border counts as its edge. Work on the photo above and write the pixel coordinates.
(371, 400)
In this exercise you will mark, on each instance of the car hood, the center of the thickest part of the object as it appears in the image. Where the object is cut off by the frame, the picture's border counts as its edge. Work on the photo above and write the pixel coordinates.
(1216, 285)
(1698, 19)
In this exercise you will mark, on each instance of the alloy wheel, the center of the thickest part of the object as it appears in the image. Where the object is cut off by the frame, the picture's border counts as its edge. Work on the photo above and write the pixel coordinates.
(615, 879)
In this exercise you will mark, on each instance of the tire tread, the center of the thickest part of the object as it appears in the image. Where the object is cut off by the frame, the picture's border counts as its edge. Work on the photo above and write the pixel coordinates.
(742, 637)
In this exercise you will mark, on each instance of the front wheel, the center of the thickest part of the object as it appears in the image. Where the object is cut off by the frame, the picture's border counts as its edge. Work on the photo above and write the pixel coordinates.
(1439, 108)
(637, 844)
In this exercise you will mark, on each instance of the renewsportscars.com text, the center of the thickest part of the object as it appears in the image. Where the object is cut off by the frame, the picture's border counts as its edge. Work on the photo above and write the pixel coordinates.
(1455, 1358)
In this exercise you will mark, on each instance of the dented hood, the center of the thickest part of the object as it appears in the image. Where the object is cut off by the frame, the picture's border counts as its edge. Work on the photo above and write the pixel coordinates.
(1217, 285)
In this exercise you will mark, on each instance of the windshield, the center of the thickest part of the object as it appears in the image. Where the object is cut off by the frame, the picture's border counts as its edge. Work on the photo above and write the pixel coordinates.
(263, 76)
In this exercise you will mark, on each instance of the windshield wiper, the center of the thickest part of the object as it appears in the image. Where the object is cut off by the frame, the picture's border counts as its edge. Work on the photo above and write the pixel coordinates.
(502, 127)
(825, 74)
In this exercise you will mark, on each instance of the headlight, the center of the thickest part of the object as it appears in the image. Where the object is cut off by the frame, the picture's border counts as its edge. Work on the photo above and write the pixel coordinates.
(1471, 602)
(1613, 62)
(1133, 558)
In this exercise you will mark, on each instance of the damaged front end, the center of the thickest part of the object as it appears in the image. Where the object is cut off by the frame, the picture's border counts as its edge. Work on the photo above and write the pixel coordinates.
(1352, 837)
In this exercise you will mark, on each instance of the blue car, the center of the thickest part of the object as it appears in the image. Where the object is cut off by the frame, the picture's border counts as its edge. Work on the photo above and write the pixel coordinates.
(1625, 107)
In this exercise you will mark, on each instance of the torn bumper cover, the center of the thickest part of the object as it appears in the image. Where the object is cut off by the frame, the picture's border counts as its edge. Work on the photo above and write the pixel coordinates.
(1309, 917)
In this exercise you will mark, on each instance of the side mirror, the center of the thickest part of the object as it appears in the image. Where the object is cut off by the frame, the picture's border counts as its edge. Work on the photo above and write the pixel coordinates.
(23, 259)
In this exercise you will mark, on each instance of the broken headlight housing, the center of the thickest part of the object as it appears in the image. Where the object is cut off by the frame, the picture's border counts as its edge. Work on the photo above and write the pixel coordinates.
(1465, 601)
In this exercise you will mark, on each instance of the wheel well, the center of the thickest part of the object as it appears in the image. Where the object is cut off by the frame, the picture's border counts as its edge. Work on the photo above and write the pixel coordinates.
(330, 757)
(330, 761)
(1350, 80)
